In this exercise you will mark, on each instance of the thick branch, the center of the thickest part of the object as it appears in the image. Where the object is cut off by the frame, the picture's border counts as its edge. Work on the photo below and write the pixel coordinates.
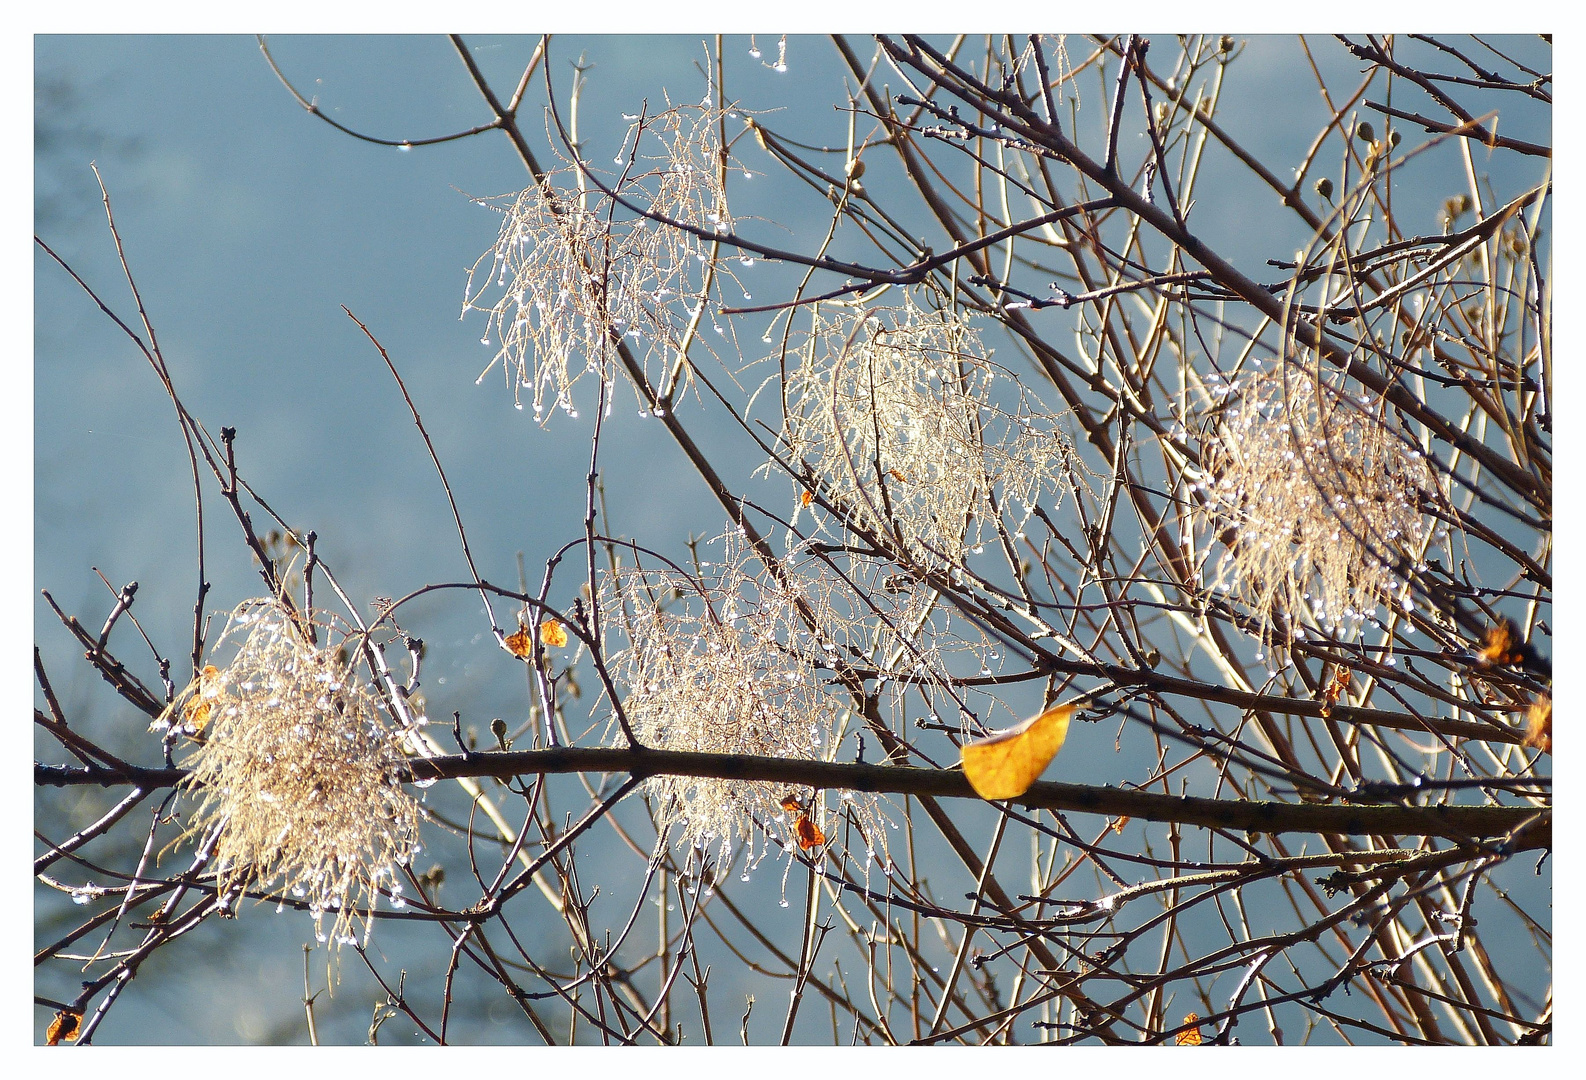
(1532, 827)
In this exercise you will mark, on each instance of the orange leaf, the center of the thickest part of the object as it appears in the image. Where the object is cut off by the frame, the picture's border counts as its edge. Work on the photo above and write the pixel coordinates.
(521, 643)
(196, 715)
(807, 832)
(63, 1027)
(1539, 725)
(197, 702)
(1006, 764)
(806, 498)
(1335, 689)
(899, 476)
(1191, 1037)
(553, 633)
(1501, 646)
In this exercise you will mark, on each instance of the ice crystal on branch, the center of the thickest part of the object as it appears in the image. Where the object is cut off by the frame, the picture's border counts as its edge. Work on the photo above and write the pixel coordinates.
(574, 271)
(298, 771)
(1318, 501)
(723, 667)
(893, 413)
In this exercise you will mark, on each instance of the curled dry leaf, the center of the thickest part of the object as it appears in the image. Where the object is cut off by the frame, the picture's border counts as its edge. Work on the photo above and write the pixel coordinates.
(808, 833)
(522, 643)
(553, 633)
(196, 711)
(805, 831)
(63, 1028)
(1335, 689)
(1004, 765)
(1192, 1036)
(195, 705)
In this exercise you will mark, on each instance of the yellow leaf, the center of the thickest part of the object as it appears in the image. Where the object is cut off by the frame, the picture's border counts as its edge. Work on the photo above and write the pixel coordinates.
(553, 633)
(1006, 764)
(1190, 1036)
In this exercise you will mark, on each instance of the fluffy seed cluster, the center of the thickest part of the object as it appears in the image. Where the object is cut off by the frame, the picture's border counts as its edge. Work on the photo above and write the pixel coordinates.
(892, 413)
(720, 667)
(573, 271)
(1318, 501)
(295, 766)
